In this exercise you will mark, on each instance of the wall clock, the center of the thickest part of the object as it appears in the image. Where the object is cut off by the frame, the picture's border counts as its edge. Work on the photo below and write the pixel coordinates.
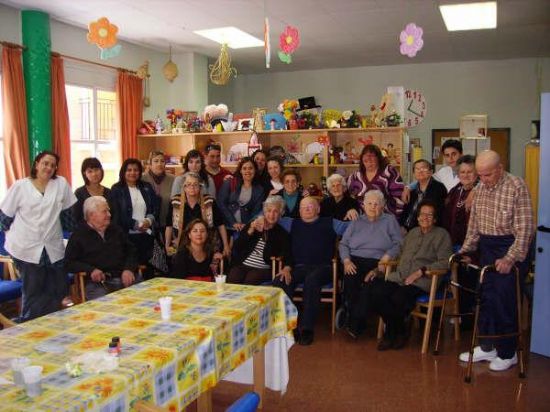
(415, 107)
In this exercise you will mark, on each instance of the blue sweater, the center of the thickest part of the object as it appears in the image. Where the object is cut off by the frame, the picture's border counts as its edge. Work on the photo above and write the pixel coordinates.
(367, 239)
(305, 251)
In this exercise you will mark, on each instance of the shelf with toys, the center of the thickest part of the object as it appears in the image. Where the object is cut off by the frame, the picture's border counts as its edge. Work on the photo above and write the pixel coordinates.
(316, 152)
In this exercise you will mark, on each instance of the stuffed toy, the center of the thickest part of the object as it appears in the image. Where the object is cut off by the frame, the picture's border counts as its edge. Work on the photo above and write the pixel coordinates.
(214, 115)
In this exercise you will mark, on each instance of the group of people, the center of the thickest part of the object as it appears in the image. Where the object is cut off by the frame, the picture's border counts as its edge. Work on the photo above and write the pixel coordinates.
(208, 215)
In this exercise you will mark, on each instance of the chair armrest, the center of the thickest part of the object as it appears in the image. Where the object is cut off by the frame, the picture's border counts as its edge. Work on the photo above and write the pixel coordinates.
(436, 272)
(5, 322)
(390, 263)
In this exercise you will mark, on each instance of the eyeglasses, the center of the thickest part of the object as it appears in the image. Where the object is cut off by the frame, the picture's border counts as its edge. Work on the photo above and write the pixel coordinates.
(195, 185)
(421, 169)
(429, 215)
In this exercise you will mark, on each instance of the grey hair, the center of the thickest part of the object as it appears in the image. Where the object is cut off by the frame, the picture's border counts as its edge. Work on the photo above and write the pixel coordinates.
(188, 175)
(276, 201)
(335, 177)
(92, 204)
(378, 194)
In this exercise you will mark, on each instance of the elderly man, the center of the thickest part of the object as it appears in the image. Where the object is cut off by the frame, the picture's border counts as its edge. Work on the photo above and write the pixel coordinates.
(501, 226)
(102, 250)
(313, 241)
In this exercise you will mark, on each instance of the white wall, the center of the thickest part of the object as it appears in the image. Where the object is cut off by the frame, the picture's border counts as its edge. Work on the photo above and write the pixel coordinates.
(506, 90)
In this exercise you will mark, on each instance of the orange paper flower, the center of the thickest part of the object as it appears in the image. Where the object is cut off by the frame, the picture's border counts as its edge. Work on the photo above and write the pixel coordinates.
(102, 33)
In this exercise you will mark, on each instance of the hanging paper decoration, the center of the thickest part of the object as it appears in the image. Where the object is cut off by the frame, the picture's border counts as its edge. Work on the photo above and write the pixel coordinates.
(267, 44)
(289, 40)
(221, 70)
(170, 69)
(103, 34)
(411, 40)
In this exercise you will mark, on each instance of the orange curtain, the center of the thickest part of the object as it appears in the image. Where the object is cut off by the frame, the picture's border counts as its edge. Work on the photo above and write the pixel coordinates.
(60, 119)
(129, 94)
(16, 143)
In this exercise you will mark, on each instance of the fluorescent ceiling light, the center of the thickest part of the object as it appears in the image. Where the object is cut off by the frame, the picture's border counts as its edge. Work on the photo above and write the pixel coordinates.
(471, 16)
(232, 36)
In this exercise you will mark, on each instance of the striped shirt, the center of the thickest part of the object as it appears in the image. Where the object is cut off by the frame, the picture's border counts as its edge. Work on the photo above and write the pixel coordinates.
(256, 257)
(504, 209)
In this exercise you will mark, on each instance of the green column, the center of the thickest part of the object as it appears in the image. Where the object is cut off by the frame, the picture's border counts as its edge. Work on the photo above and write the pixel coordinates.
(38, 84)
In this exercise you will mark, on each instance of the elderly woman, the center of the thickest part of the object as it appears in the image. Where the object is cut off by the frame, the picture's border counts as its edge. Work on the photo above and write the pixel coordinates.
(194, 162)
(197, 258)
(458, 201)
(92, 174)
(136, 208)
(291, 193)
(426, 188)
(240, 199)
(260, 240)
(30, 214)
(426, 247)
(195, 206)
(339, 205)
(162, 183)
(376, 173)
(369, 241)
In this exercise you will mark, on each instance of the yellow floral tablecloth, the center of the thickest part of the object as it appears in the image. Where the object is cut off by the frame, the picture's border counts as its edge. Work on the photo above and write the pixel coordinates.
(167, 362)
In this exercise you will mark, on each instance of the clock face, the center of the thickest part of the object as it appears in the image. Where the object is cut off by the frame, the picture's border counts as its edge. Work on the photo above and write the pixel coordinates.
(415, 107)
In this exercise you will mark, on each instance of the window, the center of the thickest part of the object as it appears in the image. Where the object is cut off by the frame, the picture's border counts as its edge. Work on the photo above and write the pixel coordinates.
(3, 187)
(92, 114)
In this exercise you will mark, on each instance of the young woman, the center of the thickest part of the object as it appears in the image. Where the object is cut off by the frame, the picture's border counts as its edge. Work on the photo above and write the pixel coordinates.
(291, 192)
(92, 173)
(240, 199)
(274, 169)
(196, 259)
(30, 215)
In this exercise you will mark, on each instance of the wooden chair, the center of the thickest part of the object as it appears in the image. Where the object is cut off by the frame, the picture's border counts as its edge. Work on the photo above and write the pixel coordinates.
(5, 322)
(425, 305)
(80, 283)
(329, 292)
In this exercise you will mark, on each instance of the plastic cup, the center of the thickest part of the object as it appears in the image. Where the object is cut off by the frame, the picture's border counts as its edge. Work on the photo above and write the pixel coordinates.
(32, 375)
(165, 307)
(17, 366)
(220, 282)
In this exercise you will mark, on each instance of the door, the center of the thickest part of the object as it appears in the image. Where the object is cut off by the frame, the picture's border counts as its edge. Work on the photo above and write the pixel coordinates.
(540, 334)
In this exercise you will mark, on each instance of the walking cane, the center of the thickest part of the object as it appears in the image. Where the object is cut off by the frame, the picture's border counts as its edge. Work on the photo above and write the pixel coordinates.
(518, 333)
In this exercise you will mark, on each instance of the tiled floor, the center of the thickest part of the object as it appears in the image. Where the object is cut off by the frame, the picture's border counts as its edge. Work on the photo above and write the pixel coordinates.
(339, 374)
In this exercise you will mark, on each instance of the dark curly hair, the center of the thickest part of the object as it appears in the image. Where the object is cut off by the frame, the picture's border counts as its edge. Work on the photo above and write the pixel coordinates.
(375, 150)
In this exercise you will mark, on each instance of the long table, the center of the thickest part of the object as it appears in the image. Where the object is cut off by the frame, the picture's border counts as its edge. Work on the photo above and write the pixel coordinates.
(170, 363)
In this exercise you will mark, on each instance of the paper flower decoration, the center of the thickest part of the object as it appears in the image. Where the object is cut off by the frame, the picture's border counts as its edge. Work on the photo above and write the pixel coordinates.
(102, 33)
(411, 40)
(289, 40)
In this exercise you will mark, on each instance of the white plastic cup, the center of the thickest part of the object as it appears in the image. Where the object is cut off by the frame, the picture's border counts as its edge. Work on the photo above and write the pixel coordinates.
(220, 282)
(32, 375)
(17, 366)
(165, 307)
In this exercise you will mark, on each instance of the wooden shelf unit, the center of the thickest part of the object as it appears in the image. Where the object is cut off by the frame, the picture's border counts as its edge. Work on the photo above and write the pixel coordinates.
(180, 144)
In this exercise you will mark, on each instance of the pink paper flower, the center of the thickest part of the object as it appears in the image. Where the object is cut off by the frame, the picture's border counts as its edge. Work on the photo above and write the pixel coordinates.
(411, 40)
(289, 40)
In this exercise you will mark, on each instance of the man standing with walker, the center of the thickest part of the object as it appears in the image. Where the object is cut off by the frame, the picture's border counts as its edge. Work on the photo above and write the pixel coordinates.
(501, 227)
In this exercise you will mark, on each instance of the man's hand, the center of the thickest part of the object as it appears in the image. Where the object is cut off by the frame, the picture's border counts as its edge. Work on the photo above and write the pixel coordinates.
(285, 275)
(413, 277)
(97, 276)
(349, 267)
(351, 215)
(503, 266)
(127, 278)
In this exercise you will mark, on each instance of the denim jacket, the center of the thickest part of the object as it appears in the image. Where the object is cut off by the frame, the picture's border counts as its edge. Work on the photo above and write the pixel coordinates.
(228, 202)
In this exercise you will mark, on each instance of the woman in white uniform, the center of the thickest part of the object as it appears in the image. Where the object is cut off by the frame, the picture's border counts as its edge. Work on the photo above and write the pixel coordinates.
(31, 215)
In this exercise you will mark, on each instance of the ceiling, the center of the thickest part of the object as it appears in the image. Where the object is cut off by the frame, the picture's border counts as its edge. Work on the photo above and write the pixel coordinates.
(334, 33)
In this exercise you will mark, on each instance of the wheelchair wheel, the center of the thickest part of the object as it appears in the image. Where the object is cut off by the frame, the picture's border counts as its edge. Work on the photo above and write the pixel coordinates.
(341, 318)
